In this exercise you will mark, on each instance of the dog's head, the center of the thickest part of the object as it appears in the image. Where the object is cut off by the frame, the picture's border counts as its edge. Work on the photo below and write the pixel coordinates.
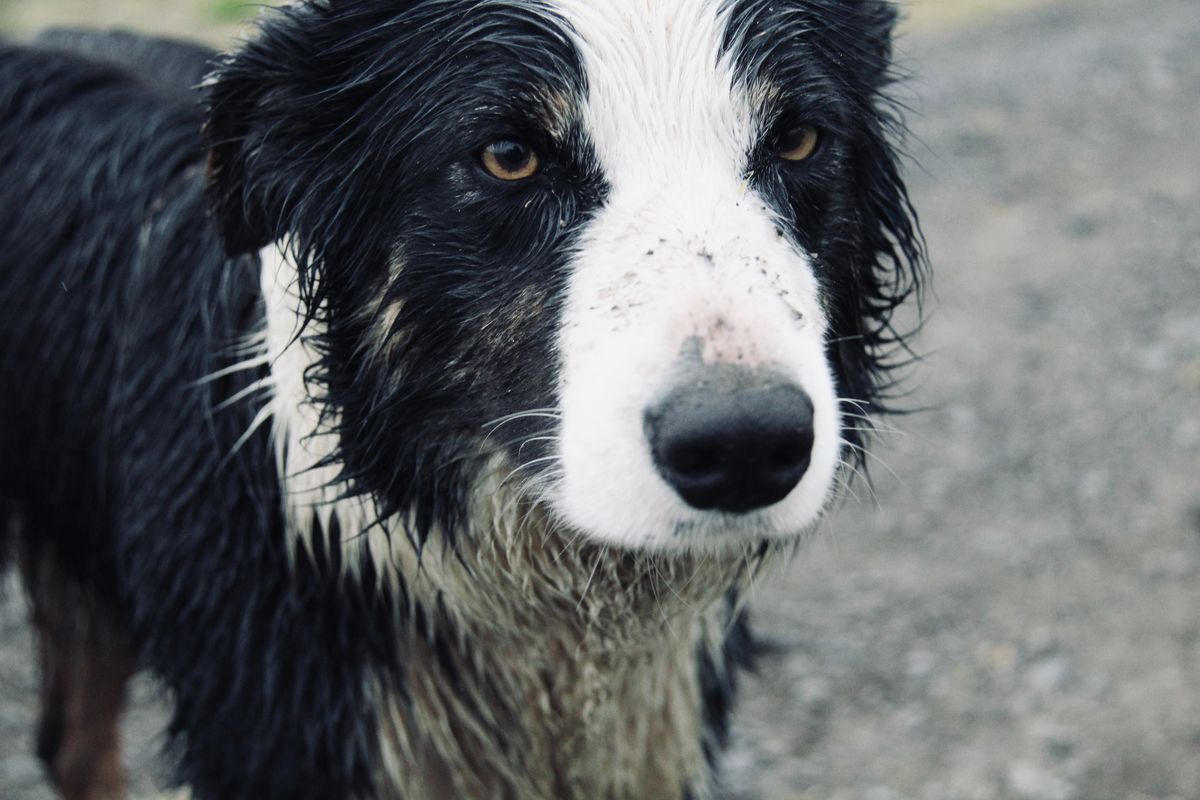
(646, 252)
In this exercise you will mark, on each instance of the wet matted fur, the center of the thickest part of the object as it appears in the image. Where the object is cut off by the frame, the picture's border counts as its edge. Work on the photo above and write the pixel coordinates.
(352, 442)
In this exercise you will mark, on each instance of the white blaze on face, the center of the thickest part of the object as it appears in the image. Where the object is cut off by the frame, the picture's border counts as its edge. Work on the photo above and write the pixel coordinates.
(683, 256)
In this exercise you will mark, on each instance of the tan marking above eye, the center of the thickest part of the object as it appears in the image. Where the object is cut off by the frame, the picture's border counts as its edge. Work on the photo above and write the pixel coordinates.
(800, 143)
(510, 160)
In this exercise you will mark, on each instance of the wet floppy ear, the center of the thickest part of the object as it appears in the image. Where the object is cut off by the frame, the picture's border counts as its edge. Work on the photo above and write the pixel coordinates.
(276, 114)
(893, 247)
(237, 198)
(258, 105)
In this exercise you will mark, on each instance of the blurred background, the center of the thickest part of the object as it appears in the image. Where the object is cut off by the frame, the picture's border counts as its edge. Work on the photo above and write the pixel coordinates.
(1012, 611)
(217, 20)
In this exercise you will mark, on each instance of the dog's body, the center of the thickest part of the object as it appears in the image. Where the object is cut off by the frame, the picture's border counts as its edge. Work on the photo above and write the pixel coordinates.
(395, 463)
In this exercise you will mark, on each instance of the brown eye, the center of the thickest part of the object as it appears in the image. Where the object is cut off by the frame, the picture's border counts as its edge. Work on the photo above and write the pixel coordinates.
(800, 143)
(510, 160)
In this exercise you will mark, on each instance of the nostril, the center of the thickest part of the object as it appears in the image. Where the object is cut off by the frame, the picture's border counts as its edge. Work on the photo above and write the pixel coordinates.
(735, 449)
(694, 459)
(789, 454)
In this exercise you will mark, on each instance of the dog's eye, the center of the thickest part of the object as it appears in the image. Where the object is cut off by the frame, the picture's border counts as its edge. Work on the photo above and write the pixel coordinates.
(510, 160)
(800, 143)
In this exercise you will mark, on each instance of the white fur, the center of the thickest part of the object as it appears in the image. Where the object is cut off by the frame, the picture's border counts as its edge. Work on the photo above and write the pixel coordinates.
(682, 251)
(304, 441)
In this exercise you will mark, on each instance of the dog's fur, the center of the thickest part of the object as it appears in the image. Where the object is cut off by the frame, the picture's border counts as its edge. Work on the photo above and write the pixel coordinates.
(343, 438)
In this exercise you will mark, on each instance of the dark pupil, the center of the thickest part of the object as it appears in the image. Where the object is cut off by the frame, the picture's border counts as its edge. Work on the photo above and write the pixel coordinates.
(793, 138)
(510, 155)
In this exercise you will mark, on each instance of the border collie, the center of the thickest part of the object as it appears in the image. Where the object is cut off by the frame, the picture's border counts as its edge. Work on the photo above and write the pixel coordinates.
(416, 396)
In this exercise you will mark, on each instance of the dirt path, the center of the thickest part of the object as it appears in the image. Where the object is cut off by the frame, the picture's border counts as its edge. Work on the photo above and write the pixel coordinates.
(1019, 618)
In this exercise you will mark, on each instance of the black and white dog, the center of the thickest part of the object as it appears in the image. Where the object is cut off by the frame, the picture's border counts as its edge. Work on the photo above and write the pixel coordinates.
(416, 396)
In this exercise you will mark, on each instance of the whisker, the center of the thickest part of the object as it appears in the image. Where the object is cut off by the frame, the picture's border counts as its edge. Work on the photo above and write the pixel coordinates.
(526, 493)
(750, 574)
(862, 476)
(874, 422)
(843, 485)
(671, 589)
(528, 483)
(532, 439)
(588, 585)
(699, 568)
(492, 449)
(570, 542)
(653, 575)
(877, 459)
(524, 466)
(880, 431)
(533, 413)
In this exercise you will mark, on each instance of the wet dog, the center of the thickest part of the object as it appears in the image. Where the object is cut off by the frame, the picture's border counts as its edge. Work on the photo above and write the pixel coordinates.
(416, 396)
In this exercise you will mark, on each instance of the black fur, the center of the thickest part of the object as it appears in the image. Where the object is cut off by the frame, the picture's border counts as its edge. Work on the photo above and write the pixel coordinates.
(848, 205)
(117, 300)
(128, 274)
(355, 181)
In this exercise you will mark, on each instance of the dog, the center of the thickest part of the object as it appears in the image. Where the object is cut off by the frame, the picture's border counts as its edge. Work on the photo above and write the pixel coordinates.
(416, 396)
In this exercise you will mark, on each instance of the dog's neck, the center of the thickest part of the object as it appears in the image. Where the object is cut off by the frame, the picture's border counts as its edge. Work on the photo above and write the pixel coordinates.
(547, 668)
(544, 668)
(564, 672)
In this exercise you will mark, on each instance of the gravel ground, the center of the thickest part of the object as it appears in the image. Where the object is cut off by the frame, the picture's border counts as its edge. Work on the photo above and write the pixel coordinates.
(1016, 616)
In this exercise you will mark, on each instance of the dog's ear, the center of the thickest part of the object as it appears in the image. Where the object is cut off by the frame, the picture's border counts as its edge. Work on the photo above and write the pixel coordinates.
(256, 105)
(276, 113)
(233, 98)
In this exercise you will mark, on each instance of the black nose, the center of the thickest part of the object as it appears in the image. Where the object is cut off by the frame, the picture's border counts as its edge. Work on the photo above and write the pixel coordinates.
(733, 445)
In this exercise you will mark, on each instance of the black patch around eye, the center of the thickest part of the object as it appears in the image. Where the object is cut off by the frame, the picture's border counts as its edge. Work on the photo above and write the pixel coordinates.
(367, 156)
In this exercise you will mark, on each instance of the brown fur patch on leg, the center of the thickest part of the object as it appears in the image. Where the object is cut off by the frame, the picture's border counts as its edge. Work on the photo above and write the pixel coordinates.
(86, 663)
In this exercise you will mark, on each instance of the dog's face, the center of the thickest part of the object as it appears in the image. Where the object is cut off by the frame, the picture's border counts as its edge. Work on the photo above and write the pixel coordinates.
(637, 249)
